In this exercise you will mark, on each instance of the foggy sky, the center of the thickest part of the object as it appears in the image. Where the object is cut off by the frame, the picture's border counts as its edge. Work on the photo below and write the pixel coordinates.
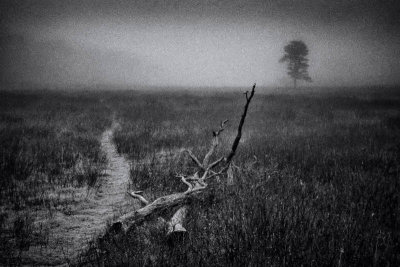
(196, 43)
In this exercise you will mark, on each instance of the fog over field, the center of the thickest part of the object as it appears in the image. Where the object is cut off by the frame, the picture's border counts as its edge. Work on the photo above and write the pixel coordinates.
(58, 43)
(200, 133)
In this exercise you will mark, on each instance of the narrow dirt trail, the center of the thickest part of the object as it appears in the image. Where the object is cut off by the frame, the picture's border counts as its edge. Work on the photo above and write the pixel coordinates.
(70, 234)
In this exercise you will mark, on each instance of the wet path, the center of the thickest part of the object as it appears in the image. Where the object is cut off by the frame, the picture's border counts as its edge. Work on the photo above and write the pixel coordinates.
(70, 234)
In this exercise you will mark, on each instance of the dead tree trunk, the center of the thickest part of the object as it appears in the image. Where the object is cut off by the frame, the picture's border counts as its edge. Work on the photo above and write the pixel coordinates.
(197, 183)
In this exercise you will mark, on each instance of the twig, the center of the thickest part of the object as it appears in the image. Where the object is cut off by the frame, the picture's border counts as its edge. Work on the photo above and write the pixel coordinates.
(136, 194)
(194, 158)
(214, 144)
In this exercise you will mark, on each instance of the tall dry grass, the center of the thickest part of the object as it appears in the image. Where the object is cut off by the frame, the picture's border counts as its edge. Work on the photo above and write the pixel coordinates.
(49, 147)
(317, 182)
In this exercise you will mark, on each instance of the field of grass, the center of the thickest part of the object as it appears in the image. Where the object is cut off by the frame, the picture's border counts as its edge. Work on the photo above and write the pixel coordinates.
(49, 154)
(316, 176)
(316, 183)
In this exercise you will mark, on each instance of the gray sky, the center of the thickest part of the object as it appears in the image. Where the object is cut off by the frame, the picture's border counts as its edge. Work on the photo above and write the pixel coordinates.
(196, 43)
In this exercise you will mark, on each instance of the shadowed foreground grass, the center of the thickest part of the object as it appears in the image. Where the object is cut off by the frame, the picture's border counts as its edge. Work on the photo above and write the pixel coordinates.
(316, 184)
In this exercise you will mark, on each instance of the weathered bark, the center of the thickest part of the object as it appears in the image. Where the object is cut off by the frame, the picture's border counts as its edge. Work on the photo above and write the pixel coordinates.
(156, 207)
(196, 185)
(137, 195)
(175, 225)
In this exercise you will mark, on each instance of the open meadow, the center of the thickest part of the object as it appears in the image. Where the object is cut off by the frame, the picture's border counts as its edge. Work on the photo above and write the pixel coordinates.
(50, 158)
(316, 178)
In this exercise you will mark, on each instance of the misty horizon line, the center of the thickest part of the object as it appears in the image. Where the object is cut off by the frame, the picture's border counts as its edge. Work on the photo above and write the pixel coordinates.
(192, 88)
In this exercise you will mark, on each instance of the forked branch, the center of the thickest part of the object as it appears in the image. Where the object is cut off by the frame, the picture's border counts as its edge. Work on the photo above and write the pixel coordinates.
(194, 182)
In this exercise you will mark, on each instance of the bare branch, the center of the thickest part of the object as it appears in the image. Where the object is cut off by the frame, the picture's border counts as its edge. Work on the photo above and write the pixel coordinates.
(214, 144)
(159, 205)
(221, 128)
(223, 123)
(215, 163)
(245, 93)
(194, 158)
(217, 173)
(136, 194)
(183, 179)
(239, 133)
(204, 176)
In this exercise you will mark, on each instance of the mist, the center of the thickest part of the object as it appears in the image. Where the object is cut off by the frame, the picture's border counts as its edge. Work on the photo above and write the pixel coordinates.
(196, 43)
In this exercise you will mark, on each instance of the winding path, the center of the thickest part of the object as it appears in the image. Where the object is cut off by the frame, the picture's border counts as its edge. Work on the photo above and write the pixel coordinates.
(70, 234)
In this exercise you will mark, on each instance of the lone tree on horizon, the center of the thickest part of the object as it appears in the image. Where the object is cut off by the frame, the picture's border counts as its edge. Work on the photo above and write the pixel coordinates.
(296, 53)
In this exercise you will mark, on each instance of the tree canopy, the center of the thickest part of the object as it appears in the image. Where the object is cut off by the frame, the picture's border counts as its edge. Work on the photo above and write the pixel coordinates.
(296, 53)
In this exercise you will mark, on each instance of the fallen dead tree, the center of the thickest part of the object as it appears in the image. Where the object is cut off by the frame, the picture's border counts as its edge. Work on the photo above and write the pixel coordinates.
(196, 183)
